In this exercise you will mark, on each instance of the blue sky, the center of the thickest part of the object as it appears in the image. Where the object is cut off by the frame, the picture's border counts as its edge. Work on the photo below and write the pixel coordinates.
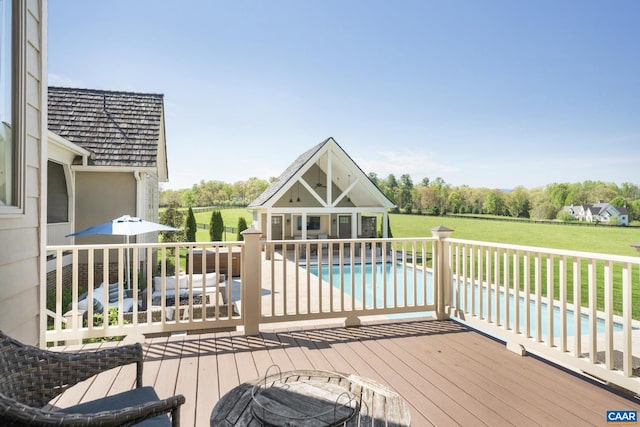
(484, 93)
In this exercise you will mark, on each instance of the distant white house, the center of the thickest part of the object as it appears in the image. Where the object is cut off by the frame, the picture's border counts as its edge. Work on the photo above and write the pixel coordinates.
(599, 212)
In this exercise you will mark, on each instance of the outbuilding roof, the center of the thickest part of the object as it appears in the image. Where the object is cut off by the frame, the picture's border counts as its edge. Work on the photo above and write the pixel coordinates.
(286, 176)
(365, 193)
(118, 128)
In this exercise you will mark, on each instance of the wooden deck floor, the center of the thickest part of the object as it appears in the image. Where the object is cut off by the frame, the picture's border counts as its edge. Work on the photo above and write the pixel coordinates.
(449, 374)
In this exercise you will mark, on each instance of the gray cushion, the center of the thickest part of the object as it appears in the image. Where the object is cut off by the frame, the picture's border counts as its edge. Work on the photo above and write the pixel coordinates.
(122, 400)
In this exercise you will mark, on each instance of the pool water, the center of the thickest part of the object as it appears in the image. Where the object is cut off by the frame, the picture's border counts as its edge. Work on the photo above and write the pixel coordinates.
(380, 272)
(392, 299)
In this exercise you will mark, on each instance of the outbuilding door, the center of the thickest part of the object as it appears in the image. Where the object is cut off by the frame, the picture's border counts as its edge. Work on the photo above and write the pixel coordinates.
(344, 226)
(276, 228)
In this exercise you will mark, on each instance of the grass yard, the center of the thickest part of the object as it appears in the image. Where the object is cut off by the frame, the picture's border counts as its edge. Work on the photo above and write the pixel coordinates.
(229, 217)
(599, 239)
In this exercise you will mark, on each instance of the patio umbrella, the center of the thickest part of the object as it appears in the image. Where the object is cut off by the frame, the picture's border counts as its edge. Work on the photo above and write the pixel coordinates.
(126, 226)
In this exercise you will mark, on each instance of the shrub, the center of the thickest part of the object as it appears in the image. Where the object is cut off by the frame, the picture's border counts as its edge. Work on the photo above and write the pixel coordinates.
(216, 226)
(565, 216)
(173, 218)
(191, 226)
(242, 225)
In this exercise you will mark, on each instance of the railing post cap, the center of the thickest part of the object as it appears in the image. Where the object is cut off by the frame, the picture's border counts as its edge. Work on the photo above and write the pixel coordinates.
(441, 231)
(251, 230)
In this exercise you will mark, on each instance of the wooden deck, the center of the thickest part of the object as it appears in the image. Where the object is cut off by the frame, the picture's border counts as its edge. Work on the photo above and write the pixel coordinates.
(448, 374)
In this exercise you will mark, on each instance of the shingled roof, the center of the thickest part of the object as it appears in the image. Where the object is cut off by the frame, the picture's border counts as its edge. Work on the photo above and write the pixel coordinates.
(118, 128)
(284, 178)
(366, 186)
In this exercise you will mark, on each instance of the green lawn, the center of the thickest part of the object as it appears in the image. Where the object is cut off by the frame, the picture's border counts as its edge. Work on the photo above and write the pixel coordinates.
(229, 218)
(599, 239)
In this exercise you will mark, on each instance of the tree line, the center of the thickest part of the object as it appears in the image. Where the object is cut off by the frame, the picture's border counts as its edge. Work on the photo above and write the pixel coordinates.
(436, 197)
(215, 193)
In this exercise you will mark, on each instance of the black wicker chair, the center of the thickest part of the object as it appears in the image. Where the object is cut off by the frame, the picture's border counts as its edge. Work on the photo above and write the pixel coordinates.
(31, 377)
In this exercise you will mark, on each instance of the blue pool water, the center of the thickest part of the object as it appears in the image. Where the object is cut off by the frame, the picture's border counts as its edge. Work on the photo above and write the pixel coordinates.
(379, 272)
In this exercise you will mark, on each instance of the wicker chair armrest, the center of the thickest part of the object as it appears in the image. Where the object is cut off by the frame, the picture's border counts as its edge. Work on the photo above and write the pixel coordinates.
(30, 416)
(76, 367)
(34, 376)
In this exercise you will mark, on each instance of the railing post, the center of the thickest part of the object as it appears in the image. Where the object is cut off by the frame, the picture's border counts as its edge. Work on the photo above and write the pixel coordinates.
(74, 318)
(252, 278)
(441, 271)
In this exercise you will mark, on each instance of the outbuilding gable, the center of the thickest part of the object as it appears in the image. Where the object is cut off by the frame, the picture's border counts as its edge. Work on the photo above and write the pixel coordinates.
(322, 193)
(326, 176)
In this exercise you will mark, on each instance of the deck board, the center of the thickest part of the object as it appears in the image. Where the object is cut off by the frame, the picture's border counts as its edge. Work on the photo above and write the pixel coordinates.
(447, 373)
(187, 381)
(207, 392)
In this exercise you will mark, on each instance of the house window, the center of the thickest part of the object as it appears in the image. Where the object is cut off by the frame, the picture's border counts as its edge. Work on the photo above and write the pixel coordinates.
(57, 196)
(7, 149)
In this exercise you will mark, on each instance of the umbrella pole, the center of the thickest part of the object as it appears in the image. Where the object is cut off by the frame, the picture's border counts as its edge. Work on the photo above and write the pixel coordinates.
(128, 266)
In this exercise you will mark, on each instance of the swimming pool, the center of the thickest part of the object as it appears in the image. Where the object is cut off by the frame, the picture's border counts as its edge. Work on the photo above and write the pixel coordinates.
(424, 288)
(378, 276)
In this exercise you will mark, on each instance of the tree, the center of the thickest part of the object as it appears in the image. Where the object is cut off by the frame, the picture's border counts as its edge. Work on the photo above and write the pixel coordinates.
(618, 202)
(173, 218)
(428, 200)
(255, 187)
(517, 203)
(544, 211)
(406, 192)
(441, 196)
(494, 203)
(188, 197)
(629, 191)
(242, 225)
(557, 194)
(373, 177)
(390, 188)
(216, 226)
(191, 226)
(168, 197)
(455, 202)
(634, 210)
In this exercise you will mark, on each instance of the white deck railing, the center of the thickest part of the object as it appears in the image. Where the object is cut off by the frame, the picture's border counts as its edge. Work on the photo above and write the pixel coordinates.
(152, 300)
(260, 282)
(317, 279)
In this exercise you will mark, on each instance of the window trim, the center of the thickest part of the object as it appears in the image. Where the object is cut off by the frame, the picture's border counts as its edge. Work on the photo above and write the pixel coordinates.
(19, 95)
(66, 176)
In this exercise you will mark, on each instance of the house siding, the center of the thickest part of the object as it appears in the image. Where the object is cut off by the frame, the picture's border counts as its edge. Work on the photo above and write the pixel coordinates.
(101, 197)
(21, 261)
